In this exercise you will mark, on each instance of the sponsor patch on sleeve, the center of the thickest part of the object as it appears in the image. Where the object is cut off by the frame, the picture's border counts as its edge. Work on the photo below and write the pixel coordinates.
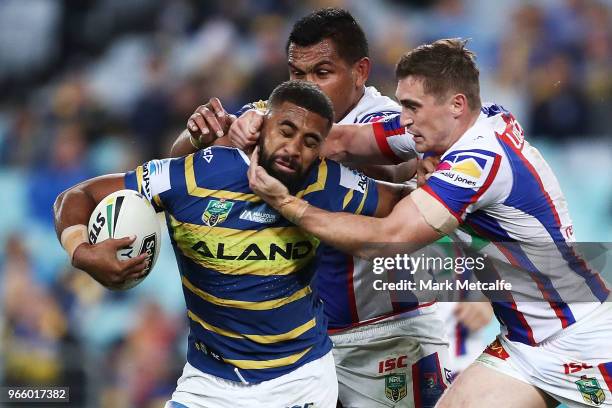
(155, 177)
(467, 169)
(353, 179)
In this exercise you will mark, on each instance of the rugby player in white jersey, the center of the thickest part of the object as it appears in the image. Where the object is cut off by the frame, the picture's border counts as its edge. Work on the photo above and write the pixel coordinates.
(379, 342)
(554, 344)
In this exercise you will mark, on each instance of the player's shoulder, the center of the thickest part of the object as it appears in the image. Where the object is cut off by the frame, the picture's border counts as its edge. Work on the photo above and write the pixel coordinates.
(214, 155)
(373, 107)
(483, 135)
(340, 177)
(493, 110)
(494, 119)
(335, 187)
(328, 177)
(220, 156)
(474, 160)
(215, 166)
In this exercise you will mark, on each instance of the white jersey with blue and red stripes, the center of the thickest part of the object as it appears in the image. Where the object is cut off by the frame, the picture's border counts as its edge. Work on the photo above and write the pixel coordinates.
(372, 107)
(503, 192)
(345, 283)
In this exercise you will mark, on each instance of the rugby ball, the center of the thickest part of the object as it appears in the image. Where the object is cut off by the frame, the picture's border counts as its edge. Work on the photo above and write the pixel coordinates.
(122, 214)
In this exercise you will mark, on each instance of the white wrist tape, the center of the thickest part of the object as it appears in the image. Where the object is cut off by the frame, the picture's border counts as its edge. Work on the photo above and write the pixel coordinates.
(72, 237)
(434, 212)
(293, 209)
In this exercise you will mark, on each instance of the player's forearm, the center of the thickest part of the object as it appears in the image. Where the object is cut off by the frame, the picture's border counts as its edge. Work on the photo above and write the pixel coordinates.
(72, 210)
(405, 171)
(72, 207)
(398, 173)
(75, 205)
(182, 146)
(336, 146)
(389, 194)
(352, 143)
(346, 232)
(375, 171)
(364, 237)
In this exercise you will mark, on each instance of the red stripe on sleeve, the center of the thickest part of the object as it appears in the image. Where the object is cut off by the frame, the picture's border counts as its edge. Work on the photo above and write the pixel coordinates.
(382, 142)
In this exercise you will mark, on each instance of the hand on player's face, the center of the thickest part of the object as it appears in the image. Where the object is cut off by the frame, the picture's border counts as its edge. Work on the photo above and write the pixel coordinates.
(245, 131)
(209, 120)
(425, 168)
(265, 186)
(100, 261)
(291, 142)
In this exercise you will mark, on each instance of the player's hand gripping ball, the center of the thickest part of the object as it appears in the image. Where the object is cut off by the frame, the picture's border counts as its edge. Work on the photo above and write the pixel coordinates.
(122, 214)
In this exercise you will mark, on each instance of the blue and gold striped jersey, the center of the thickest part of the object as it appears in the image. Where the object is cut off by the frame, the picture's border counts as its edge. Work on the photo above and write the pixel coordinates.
(246, 271)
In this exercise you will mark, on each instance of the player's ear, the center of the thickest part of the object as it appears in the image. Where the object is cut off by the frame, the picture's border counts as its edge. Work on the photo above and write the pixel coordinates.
(265, 118)
(458, 104)
(361, 70)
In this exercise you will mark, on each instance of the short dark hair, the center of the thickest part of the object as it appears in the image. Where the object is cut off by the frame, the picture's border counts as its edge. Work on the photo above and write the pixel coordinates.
(445, 65)
(335, 24)
(304, 94)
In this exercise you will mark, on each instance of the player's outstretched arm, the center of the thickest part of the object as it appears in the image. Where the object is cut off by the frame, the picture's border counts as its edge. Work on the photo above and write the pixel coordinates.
(354, 233)
(353, 144)
(398, 173)
(372, 143)
(350, 233)
(389, 194)
(347, 144)
(72, 210)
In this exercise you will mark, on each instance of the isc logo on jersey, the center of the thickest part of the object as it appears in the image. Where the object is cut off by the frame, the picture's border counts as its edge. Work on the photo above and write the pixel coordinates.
(464, 169)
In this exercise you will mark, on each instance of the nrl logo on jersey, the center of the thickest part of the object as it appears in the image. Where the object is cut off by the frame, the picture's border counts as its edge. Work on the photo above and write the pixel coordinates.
(261, 214)
(590, 390)
(216, 212)
(395, 387)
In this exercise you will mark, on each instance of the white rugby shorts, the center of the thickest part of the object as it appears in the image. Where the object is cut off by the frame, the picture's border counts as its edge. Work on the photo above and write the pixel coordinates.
(312, 385)
(398, 363)
(573, 366)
